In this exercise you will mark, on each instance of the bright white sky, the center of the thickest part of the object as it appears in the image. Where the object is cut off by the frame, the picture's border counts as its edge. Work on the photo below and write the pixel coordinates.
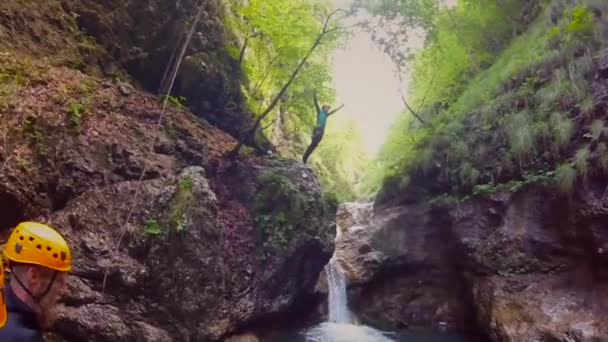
(365, 81)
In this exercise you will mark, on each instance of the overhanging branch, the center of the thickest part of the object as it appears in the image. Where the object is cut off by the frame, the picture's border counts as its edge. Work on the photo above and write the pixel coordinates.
(407, 105)
(251, 133)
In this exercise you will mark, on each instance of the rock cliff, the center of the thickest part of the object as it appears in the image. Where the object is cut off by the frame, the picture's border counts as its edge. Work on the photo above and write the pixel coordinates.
(172, 241)
(528, 266)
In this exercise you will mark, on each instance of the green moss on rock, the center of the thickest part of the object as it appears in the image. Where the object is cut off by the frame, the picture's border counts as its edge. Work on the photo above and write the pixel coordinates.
(279, 208)
(288, 208)
(181, 202)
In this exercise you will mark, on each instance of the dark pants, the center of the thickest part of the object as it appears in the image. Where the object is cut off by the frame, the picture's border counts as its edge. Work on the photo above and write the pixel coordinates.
(317, 135)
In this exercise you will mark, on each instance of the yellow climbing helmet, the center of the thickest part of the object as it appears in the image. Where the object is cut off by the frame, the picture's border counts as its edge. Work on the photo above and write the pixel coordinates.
(38, 244)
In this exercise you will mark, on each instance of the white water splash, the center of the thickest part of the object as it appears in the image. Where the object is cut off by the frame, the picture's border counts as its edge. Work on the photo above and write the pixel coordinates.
(338, 332)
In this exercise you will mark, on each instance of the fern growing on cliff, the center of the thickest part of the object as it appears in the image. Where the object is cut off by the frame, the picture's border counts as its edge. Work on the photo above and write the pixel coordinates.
(522, 135)
(75, 117)
(597, 129)
(581, 161)
(533, 100)
(562, 129)
(602, 151)
(565, 178)
(587, 106)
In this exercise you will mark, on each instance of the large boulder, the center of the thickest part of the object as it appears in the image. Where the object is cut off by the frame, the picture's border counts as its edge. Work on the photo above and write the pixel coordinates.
(178, 274)
(171, 241)
(541, 308)
(400, 270)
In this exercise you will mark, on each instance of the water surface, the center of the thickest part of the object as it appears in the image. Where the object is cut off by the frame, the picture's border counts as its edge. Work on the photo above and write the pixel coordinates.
(343, 332)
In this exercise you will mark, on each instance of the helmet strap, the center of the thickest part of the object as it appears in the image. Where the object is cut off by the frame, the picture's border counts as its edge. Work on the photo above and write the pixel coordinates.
(38, 298)
(48, 287)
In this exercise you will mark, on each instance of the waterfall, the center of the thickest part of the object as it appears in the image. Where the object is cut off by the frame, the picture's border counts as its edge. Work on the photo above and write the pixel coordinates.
(338, 301)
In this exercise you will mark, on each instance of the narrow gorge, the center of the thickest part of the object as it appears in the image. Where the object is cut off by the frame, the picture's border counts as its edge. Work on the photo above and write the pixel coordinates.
(164, 140)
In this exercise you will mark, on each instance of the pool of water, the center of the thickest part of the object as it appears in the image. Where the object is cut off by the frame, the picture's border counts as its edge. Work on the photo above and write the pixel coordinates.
(339, 332)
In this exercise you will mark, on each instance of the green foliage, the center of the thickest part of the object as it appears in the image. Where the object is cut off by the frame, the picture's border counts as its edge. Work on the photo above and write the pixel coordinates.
(468, 174)
(277, 229)
(86, 53)
(565, 178)
(182, 200)
(153, 228)
(581, 161)
(597, 129)
(495, 99)
(522, 135)
(278, 209)
(279, 34)
(9, 86)
(445, 81)
(552, 95)
(75, 117)
(447, 200)
(470, 37)
(340, 160)
(576, 25)
(35, 133)
(562, 129)
(176, 101)
(587, 106)
(602, 152)
(580, 21)
(16, 73)
(516, 184)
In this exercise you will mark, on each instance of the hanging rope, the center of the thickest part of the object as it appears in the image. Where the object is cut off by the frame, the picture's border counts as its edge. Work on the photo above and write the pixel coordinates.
(123, 229)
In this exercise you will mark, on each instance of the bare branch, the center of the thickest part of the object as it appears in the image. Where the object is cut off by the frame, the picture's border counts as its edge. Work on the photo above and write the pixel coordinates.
(245, 44)
(242, 53)
(266, 73)
(407, 105)
(334, 29)
(271, 123)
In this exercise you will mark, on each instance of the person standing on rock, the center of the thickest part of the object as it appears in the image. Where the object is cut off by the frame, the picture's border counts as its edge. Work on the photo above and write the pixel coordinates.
(39, 259)
(317, 134)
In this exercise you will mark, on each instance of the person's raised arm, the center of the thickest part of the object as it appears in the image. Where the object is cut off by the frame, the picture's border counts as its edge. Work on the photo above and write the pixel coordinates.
(316, 102)
(335, 110)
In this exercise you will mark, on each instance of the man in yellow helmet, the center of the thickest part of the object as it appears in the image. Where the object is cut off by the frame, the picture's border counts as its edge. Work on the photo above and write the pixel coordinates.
(39, 259)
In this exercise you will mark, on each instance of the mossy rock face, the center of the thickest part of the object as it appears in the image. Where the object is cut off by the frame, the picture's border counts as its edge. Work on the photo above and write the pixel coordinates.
(144, 39)
(210, 81)
(47, 29)
(292, 225)
(280, 211)
(289, 206)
